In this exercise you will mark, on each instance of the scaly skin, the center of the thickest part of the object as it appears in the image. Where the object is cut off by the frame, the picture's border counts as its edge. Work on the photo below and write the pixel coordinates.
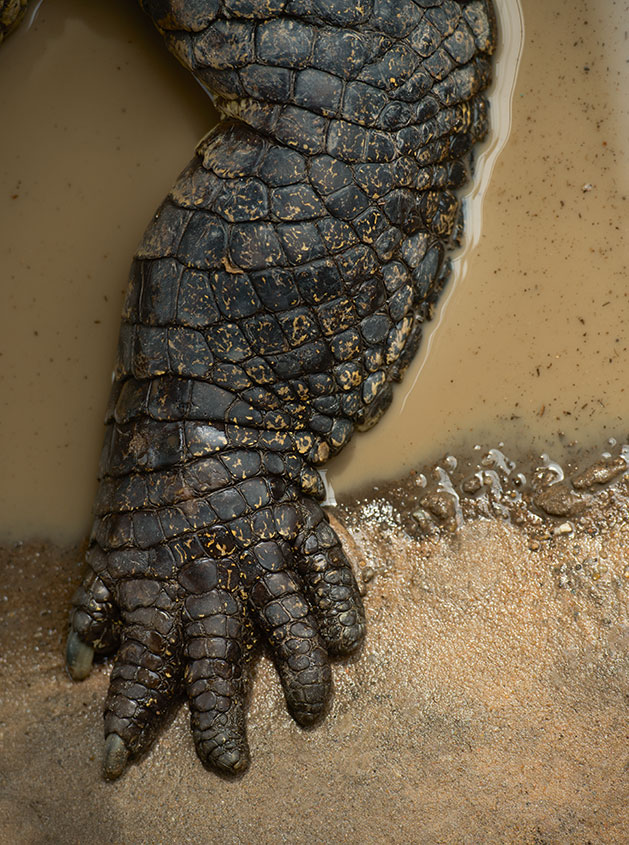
(277, 294)
(11, 13)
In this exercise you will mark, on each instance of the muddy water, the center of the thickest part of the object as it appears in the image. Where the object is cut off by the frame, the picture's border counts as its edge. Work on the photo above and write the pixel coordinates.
(100, 125)
(529, 347)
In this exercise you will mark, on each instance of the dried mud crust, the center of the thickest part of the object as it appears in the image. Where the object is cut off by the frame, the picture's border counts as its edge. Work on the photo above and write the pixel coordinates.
(494, 675)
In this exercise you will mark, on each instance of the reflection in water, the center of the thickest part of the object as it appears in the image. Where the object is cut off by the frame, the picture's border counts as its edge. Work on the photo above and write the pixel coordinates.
(530, 349)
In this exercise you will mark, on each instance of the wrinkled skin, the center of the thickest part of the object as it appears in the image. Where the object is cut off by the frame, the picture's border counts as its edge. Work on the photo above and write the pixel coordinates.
(277, 295)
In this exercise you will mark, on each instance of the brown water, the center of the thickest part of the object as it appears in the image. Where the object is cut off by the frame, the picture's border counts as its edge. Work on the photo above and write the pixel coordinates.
(530, 347)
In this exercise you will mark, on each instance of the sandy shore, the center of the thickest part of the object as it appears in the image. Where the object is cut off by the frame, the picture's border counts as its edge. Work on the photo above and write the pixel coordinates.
(489, 703)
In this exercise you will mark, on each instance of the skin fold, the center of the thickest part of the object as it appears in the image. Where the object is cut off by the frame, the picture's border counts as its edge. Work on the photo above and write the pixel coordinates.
(277, 295)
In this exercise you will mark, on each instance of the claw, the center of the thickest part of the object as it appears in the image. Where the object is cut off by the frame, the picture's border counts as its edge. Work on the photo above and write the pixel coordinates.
(231, 762)
(115, 757)
(79, 657)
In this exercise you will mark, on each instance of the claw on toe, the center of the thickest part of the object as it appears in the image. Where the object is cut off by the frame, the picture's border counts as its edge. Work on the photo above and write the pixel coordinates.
(309, 716)
(225, 752)
(230, 762)
(115, 757)
(79, 657)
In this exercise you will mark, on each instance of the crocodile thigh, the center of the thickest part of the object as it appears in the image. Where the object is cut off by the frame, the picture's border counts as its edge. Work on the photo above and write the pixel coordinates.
(278, 293)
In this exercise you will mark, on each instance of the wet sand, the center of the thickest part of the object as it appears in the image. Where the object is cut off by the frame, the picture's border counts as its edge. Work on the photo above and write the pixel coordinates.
(489, 703)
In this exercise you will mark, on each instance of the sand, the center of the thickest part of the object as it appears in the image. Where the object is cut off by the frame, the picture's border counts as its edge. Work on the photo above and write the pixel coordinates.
(489, 703)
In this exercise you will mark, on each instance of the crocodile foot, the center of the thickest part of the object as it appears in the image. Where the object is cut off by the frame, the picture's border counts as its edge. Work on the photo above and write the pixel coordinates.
(186, 616)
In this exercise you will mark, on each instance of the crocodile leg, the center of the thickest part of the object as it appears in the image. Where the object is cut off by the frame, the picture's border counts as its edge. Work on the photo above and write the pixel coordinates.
(277, 295)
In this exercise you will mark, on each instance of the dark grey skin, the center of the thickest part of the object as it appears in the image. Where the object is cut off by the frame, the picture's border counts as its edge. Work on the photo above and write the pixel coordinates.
(277, 295)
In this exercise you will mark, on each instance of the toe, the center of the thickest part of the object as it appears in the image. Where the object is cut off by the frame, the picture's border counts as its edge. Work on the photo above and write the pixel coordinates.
(94, 625)
(329, 583)
(299, 653)
(146, 672)
(215, 632)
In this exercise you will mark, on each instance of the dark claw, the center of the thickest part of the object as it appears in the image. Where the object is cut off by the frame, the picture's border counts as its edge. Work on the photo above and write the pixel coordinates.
(115, 757)
(79, 657)
(229, 761)
(233, 762)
